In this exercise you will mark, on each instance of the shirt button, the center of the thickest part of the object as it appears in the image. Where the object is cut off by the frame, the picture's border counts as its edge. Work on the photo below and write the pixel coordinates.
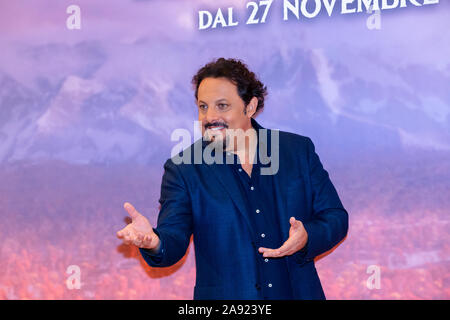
(262, 235)
(266, 260)
(269, 285)
(240, 169)
(257, 210)
(251, 188)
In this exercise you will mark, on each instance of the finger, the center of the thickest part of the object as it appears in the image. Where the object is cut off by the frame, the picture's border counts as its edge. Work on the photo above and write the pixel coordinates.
(131, 210)
(147, 240)
(121, 233)
(295, 224)
(132, 240)
(126, 240)
(292, 221)
(128, 237)
(262, 249)
(137, 242)
(140, 237)
(267, 252)
(270, 253)
(285, 249)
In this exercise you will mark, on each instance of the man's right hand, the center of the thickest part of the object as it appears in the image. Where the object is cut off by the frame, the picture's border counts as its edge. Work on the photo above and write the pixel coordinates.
(139, 232)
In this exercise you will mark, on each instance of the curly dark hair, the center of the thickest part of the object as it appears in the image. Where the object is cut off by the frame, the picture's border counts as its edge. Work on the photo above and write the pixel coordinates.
(248, 85)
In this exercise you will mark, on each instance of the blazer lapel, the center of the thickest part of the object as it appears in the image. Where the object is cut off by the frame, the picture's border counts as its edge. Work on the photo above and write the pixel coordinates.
(222, 173)
(279, 181)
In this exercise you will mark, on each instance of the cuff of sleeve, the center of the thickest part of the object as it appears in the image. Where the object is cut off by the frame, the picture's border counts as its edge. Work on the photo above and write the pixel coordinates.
(301, 255)
(155, 256)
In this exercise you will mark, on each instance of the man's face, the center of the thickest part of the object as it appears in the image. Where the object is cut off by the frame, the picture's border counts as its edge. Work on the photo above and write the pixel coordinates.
(220, 107)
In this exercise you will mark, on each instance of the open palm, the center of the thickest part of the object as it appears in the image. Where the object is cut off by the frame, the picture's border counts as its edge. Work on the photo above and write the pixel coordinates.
(139, 232)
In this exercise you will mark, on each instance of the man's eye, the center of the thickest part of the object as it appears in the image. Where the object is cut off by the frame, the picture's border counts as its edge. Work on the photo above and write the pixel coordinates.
(202, 106)
(222, 106)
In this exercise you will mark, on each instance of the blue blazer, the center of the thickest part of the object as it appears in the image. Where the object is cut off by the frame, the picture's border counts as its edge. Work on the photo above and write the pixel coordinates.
(204, 200)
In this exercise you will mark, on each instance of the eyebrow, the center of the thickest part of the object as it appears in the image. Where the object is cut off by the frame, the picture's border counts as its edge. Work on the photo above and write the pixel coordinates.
(222, 99)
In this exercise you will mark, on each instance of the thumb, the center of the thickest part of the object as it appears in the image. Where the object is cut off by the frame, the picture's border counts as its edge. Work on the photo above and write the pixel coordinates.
(294, 223)
(131, 210)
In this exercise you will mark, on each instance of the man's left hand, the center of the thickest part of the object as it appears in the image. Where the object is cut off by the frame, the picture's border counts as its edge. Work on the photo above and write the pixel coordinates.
(296, 241)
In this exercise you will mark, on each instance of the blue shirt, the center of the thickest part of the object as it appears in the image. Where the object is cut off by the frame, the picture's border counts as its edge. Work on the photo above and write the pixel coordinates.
(259, 195)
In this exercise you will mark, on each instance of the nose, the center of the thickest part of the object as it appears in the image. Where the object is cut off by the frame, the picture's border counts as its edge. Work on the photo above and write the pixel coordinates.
(211, 116)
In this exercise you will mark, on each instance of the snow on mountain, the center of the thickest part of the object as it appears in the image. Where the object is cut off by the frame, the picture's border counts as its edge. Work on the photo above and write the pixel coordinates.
(66, 106)
(94, 112)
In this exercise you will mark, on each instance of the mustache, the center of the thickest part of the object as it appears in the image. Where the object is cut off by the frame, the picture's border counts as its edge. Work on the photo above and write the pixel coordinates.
(216, 124)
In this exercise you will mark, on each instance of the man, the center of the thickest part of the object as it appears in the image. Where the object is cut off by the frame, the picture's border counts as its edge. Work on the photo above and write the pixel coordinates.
(255, 235)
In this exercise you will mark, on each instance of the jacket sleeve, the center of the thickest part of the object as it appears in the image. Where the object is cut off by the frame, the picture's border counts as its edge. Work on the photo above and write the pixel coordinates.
(329, 222)
(174, 226)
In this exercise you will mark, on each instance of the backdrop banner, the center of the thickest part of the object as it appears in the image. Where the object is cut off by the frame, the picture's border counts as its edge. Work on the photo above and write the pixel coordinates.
(96, 95)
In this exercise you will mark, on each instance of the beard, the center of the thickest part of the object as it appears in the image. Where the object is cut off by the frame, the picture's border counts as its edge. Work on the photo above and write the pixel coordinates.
(216, 140)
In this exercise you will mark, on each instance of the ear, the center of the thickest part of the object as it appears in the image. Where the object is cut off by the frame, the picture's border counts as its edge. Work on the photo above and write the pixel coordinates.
(251, 107)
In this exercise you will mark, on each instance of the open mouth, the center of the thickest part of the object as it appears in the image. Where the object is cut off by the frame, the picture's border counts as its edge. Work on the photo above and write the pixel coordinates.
(216, 128)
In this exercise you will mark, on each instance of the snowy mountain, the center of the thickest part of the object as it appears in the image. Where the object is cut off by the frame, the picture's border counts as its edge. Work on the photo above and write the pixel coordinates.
(94, 111)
